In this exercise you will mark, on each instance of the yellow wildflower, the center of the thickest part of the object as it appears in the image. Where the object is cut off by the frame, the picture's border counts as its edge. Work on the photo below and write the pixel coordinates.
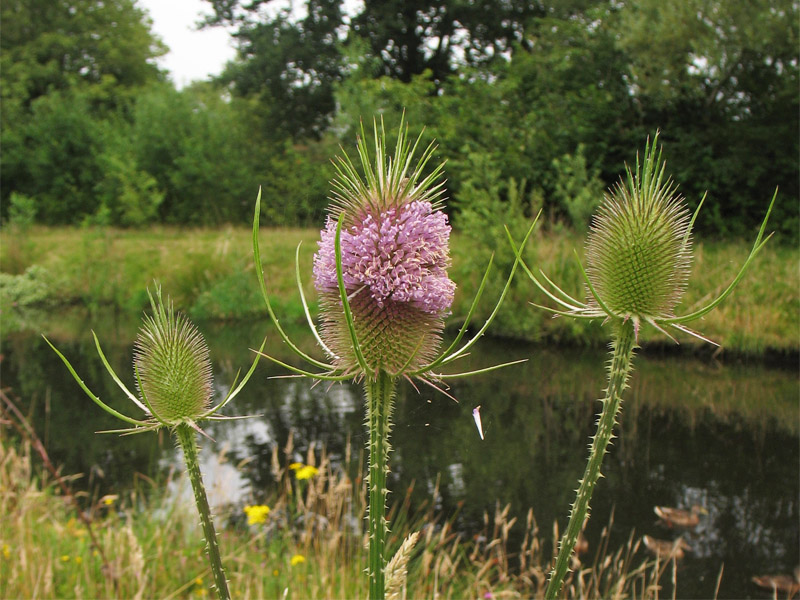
(296, 466)
(275, 572)
(65, 558)
(198, 581)
(110, 499)
(256, 514)
(307, 472)
(297, 559)
(78, 560)
(6, 551)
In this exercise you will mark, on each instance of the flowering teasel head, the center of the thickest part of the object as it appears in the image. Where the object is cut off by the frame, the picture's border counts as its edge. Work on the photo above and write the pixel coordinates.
(394, 248)
(381, 268)
(639, 254)
(173, 373)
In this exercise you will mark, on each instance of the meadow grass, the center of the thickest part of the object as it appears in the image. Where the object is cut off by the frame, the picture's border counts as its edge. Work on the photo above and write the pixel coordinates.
(210, 274)
(311, 544)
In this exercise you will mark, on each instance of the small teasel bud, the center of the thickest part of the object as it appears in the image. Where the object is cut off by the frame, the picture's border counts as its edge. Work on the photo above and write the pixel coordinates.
(638, 251)
(172, 366)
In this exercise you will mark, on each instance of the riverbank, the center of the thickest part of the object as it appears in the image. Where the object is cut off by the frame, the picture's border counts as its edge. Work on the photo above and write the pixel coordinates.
(210, 274)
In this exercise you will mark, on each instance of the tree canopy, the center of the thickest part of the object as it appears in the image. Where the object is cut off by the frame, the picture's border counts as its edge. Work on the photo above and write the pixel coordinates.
(530, 102)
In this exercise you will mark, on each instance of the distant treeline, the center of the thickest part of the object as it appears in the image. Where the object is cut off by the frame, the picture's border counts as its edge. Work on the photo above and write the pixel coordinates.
(532, 105)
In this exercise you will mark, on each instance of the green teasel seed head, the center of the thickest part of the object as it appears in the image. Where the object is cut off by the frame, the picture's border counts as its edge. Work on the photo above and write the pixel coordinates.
(172, 365)
(638, 251)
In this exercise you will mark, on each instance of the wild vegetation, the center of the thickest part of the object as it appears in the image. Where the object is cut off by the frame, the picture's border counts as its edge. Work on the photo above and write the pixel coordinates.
(112, 178)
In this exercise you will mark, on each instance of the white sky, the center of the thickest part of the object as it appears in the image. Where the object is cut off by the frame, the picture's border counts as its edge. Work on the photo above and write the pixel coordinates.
(193, 54)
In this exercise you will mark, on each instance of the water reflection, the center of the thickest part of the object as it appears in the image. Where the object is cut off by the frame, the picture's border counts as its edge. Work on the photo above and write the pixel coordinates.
(724, 436)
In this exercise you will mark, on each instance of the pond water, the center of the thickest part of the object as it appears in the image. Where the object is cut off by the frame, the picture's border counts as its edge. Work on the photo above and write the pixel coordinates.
(721, 433)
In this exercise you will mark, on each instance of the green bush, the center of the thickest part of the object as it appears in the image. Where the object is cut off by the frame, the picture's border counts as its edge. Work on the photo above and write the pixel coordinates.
(577, 188)
(21, 210)
(28, 289)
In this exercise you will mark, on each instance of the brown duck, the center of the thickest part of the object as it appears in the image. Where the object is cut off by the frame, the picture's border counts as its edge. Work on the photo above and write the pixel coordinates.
(780, 583)
(666, 548)
(679, 517)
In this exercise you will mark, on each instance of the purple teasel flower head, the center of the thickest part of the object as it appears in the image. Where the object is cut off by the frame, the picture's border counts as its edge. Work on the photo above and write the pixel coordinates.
(394, 248)
(399, 255)
(381, 272)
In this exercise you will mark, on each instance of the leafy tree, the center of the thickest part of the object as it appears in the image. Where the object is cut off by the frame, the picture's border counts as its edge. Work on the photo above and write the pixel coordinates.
(51, 45)
(200, 151)
(52, 156)
(64, 65)
(721, 81)
(290, 65)
(438, 36)
(126, 195)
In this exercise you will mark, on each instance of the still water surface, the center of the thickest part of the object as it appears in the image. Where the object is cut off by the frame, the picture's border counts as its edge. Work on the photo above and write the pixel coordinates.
(720, 433)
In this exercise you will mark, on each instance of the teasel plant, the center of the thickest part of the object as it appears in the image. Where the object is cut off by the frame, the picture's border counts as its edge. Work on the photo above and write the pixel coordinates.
(380, 271)
(638, 260)
(175, 384)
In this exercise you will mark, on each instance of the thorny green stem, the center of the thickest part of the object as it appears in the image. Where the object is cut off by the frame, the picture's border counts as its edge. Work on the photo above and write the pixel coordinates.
(623, 345)
(380, 402)
(187, 439)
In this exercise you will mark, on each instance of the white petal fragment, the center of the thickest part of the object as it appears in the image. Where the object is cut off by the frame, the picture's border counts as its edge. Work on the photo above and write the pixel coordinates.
(476, 414)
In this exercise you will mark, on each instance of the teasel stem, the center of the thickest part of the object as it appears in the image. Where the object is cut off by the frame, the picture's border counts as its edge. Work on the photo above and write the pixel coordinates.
(623, 345)
(380, 403)
(188, 442)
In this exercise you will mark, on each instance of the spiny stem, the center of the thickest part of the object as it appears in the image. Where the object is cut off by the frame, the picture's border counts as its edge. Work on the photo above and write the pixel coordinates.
(623, 345)
(188, 442)
(380, 401)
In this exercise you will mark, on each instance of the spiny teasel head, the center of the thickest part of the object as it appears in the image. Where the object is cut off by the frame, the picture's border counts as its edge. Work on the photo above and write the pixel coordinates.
(394, 245)
(173, 374)
(172, 366)
(638, 251)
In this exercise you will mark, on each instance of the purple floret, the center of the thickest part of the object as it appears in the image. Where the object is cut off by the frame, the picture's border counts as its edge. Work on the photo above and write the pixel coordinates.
(401, 254)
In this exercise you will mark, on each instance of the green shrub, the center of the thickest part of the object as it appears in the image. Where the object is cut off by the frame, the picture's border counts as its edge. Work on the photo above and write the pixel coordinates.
(28, 289)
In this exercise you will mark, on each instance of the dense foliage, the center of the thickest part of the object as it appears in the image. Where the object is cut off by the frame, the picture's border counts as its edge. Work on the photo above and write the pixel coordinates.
(551, 98)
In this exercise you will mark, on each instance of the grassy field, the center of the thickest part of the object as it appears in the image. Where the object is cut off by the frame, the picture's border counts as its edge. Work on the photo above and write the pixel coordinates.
(210, 274)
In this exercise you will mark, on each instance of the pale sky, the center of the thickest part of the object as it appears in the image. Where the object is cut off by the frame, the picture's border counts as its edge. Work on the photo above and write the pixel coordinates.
(193, 54)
